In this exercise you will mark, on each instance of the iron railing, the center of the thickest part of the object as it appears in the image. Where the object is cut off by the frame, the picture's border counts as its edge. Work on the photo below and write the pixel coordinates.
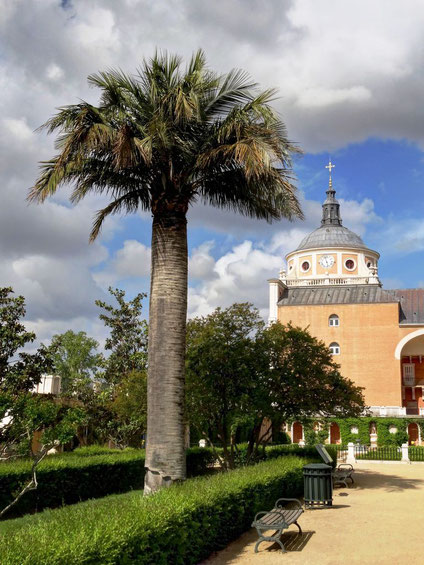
(386, 453)
(416, 453)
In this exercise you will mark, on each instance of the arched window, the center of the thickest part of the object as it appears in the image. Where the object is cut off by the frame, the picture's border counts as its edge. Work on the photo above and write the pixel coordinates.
(333, 320)
(335, 348)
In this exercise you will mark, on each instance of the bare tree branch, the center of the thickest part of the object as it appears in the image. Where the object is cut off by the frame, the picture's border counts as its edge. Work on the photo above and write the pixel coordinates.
(33, 484)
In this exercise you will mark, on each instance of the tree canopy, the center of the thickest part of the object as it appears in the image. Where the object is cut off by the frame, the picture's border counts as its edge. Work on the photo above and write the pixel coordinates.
(30, 424)
(127, 342)
(76, 360)
(241, 374)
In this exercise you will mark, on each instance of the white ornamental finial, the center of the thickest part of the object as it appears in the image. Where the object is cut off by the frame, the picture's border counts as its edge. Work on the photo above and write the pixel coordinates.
(330, 166)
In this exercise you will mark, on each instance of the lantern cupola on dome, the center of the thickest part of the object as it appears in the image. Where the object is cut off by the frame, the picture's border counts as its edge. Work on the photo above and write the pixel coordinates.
(332, 254)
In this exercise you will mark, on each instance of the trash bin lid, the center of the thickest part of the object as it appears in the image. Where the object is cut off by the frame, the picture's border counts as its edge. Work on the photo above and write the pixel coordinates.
(317, 466)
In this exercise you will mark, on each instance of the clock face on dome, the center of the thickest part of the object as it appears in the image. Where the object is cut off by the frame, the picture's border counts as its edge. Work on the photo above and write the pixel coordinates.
(326, 261)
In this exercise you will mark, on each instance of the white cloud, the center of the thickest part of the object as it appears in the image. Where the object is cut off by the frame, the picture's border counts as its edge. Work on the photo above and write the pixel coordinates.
(54, 72)
(320, 97)
(201, 264)
(401, 236)
(344, 72)
(240, 274)
(342, 68)
(357, 215)
(18, 128)
(133, 260)
(241, 277)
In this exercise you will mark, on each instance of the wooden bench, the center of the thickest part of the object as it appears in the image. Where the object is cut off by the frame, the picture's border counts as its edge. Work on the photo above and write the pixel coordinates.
(278, 519)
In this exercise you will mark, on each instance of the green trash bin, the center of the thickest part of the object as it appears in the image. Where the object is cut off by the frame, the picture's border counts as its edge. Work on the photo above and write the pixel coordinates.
(318, 485)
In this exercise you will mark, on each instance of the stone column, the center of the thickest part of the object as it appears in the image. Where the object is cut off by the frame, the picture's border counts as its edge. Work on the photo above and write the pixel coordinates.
(351, 453)
(405, 454)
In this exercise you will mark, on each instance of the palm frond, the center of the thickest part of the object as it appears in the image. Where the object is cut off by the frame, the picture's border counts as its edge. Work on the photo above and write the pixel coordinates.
(128, 202)
(270, 197)
(235, 88)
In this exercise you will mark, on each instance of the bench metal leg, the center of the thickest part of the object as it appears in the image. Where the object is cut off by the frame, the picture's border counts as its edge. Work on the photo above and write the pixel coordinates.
(300, 529)
(275, 538)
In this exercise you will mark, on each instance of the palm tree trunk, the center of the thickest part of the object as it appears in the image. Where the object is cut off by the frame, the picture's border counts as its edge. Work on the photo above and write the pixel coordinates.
(165, 449)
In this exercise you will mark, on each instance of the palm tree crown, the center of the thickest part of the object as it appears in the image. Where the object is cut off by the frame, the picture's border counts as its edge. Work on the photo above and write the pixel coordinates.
(165, 138)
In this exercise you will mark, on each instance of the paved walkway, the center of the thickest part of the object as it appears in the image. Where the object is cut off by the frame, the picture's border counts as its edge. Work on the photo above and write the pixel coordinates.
(378, 521)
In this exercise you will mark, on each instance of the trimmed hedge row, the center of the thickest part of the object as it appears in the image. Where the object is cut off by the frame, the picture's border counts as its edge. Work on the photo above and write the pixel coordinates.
(180, 525)
(273, 451)
(294, 449)
(86, 473)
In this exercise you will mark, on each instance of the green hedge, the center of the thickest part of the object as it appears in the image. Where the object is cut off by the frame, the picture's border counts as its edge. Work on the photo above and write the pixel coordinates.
(85, 473)
(294, 449)
(274, 451)
(182, 525)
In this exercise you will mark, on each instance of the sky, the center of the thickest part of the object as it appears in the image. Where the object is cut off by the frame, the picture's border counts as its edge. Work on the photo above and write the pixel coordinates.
(350, 81)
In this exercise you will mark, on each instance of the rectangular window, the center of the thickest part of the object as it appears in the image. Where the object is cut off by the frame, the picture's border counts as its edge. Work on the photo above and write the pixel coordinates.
(408, 374)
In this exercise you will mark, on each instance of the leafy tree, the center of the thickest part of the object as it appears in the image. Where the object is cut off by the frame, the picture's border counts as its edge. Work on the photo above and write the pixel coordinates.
(30, 424)
(240, 373)
(76, 360)
(116, 406)
(223, 368)
(300, 380)
(304, 379)
(161, 141)
(129, 411)
(127, 342)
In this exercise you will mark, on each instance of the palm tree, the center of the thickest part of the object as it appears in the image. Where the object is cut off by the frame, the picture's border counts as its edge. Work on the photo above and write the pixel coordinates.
(160, 141)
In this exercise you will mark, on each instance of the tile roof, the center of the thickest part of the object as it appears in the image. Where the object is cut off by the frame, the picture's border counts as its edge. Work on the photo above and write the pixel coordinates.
(411, 304)
(331, 236)
(411, 300)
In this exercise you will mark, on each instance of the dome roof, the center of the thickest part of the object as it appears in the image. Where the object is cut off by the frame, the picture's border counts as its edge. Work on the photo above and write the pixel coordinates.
(332, 236)
(332, 233)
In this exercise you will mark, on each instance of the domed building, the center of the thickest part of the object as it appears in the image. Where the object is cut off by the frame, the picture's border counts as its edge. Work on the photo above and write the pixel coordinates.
(331, 286)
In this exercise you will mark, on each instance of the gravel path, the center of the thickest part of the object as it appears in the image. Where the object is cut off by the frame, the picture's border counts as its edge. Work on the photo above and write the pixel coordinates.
(378, 521)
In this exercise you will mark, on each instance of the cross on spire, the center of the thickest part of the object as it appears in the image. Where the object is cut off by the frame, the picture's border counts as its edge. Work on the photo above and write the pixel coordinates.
(330, 166)
(331, 208)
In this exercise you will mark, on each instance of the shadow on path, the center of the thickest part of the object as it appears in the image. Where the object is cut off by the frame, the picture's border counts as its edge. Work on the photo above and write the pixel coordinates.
(293, 541)
(371, 479)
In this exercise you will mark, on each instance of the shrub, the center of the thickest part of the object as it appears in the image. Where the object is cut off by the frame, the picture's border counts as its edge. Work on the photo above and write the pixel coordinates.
(70, 478)
(182, 524)
(90, 450)
(294, 449)
(199, 460)
(281, 438)
(273, 451)
(384, 437)
(88, 472)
